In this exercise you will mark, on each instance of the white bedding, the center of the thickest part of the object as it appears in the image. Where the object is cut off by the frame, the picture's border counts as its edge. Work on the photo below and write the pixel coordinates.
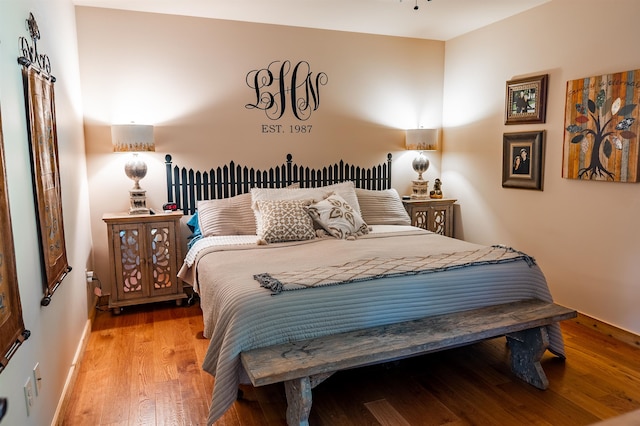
(240, 315)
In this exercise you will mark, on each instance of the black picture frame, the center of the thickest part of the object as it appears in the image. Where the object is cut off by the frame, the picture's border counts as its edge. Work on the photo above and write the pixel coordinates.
(523, 160)
(526, 100)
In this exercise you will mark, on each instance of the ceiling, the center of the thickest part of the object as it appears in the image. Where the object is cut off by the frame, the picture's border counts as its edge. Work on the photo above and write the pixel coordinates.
(433, 20)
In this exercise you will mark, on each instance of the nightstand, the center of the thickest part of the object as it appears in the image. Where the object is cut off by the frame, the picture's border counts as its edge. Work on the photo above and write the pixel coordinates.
(434, 214)
(144, 255)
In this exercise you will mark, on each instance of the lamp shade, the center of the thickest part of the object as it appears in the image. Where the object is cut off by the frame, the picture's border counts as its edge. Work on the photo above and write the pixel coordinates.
(132, 138)
(422, 139)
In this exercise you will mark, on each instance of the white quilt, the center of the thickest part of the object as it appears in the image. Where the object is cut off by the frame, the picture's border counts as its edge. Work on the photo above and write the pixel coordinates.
(240, 315)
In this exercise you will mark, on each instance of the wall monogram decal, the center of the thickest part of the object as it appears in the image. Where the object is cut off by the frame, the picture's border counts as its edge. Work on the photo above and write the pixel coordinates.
(281, 86)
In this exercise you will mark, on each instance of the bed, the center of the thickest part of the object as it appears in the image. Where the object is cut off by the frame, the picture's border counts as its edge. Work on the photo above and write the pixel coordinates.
(291, 258)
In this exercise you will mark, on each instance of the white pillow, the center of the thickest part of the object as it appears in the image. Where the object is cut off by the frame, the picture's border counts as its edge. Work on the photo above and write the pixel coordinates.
(383, 207)
(345, 189)
(338, 218)
(285, 220)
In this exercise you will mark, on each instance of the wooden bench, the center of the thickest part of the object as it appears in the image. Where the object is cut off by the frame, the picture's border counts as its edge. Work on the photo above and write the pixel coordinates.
(304, 364)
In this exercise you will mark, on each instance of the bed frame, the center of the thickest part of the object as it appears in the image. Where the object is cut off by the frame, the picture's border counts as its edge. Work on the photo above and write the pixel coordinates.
(185, 187)
(303, 365)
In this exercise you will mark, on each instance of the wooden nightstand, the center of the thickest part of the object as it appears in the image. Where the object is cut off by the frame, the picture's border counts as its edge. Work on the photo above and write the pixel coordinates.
(144, 255)
(434, 214)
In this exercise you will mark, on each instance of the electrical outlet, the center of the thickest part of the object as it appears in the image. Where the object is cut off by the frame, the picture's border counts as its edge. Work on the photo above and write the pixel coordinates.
(28, 395)
(89, 275)
(37, 378)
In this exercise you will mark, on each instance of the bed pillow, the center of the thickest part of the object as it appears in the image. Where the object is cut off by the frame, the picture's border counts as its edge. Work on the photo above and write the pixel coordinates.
(338, 218)
(194, 227)
(284, 220)
(345, 189)
(382, 207)
(227, 216)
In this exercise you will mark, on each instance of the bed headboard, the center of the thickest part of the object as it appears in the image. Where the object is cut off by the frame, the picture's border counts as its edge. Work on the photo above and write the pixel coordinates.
(186, 187)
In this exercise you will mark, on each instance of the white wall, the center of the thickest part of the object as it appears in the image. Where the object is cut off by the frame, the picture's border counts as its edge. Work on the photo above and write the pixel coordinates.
(56, 329)
(585, 235)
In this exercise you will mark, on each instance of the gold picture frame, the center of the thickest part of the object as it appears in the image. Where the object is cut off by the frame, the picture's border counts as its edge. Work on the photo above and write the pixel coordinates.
(526, 100)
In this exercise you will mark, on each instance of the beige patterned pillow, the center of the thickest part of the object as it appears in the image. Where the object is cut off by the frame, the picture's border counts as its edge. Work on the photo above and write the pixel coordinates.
(284, 220)
(227, 216)
(338, 218)
(344, 189)
(382, 207)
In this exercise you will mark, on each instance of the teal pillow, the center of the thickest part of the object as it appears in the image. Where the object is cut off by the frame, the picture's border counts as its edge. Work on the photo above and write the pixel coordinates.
(194, 227)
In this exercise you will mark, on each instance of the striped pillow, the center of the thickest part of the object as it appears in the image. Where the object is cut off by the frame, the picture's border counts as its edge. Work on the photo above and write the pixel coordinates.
(382, 207)
(227, 216)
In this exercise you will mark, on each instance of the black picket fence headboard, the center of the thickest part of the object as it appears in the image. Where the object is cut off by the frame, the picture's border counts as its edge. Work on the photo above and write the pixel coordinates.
(186, 187)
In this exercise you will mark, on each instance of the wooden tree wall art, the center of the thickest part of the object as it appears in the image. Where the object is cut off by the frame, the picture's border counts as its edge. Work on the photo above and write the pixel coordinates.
(12, 331)
(43, 143)
(601, 128)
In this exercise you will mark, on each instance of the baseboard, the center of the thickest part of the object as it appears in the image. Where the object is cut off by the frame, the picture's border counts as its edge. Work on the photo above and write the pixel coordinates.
(608, 329)
(72, 376)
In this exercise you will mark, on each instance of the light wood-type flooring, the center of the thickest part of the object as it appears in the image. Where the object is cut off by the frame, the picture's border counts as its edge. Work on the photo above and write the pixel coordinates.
(143, 367)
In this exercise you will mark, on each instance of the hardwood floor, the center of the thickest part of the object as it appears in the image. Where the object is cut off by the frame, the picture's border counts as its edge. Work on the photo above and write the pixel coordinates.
(143, 367)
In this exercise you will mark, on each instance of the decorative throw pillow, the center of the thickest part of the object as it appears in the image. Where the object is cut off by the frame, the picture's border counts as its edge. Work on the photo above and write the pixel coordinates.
(284, 220)
(382, 207)
(345, 189)
(338, 218)
(194, 226)
(227, 216)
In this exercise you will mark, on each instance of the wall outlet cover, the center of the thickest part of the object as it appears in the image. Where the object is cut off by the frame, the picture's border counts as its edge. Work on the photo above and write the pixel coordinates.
(37, 378)
(28, 395)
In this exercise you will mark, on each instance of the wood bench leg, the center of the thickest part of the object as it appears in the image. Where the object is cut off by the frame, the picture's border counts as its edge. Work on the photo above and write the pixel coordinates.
(299, 398)
(298, 401)
(527, 348)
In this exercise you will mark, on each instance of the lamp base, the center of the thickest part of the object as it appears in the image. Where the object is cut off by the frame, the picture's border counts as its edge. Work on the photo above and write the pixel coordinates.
(420, 189)
(138, 201)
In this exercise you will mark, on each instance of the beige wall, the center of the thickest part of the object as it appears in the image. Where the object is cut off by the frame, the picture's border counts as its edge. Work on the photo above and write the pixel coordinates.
(585, 235)
(187, 76)
(56, 330)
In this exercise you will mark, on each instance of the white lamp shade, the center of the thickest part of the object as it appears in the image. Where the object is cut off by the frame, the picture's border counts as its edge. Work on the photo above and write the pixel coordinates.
(132, 138)
(422, 139)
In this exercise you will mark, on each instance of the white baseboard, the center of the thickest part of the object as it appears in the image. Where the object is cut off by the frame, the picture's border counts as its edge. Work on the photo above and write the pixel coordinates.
(72, 375)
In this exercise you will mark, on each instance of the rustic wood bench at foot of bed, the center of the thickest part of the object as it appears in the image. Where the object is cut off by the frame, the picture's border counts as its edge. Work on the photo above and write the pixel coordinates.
(305, 364)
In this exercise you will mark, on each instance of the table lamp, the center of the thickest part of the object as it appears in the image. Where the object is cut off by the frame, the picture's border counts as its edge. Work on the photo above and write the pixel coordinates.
(134, 138)
(421, 140)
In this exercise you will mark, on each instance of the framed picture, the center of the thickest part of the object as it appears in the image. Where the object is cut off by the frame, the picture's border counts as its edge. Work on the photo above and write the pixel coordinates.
(601, 128)
(12, 331)
(523, 160)
(526, 100)
(45, 165)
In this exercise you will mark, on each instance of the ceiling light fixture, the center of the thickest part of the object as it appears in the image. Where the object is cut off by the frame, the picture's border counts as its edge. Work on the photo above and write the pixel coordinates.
(416, 7)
